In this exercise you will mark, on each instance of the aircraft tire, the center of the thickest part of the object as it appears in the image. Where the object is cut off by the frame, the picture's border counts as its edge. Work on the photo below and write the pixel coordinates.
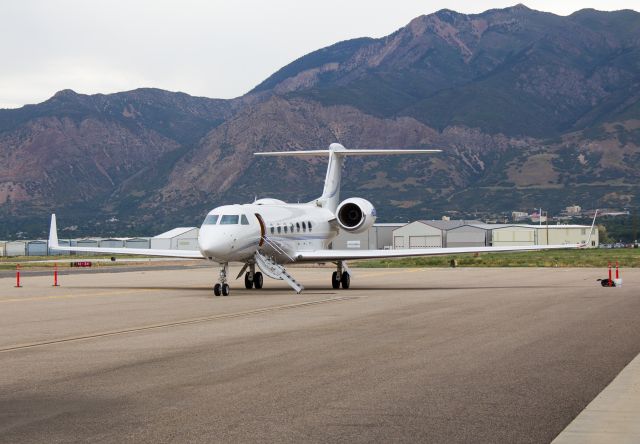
(258, 280)
(335, 280)
(217, 290)
(248, 284)
(225, 290)
(345, 280)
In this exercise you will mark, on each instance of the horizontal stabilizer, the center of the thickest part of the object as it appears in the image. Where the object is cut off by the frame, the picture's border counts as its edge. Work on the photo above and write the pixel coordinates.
(364, 152)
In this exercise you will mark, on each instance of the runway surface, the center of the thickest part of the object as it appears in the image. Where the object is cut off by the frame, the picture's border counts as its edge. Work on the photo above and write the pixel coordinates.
(437, 355)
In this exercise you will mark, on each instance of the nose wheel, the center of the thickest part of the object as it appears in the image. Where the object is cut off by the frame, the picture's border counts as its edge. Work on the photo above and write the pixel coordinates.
(222, 288)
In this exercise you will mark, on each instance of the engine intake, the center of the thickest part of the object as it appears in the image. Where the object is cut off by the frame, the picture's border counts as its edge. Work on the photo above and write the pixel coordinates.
(355, 215)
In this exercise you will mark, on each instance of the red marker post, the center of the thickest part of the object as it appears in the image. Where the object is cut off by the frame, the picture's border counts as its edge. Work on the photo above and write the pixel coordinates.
(55, 275)
(18, 276)
(610, 277)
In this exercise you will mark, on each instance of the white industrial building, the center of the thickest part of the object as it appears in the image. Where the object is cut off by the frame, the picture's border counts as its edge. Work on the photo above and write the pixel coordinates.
(16, 248)
(469, 235)
(138, 242)
(2, 248)
(513, 235)
(183, 238)
(565, 234)
(37, 248)
(426, 233)
(116, 242)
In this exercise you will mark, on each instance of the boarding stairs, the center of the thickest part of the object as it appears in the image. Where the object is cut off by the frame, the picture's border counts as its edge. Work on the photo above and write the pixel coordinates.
(276, 271)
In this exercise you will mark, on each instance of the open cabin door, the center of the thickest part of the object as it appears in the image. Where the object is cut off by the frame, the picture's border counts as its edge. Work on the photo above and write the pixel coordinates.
(263, 229)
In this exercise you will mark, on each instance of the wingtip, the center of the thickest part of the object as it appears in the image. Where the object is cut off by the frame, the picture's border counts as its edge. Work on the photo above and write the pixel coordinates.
(53, 232)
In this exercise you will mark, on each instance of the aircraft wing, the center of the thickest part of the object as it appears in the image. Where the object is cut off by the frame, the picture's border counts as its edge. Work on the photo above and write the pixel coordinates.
(331, 255)
(53, 245)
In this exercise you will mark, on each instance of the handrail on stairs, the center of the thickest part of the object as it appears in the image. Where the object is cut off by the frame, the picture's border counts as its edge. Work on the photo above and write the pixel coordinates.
(277, 247)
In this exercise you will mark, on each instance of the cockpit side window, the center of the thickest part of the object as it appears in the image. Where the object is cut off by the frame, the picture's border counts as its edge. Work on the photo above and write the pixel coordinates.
(229, 219)
(211, 219)
(243, 220)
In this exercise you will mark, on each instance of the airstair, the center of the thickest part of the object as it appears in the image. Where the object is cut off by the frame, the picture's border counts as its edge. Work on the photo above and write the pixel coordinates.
(276, 271)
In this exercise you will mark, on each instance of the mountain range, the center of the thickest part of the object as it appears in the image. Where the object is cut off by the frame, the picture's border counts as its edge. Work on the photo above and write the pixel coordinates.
(530, 108)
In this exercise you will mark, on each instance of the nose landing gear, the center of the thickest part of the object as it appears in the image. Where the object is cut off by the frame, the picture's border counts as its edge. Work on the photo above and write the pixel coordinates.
(222, 288)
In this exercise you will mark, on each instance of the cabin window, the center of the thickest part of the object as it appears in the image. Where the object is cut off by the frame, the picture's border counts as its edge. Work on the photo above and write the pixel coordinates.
(211, 219)
(285, 228)
(279, 229)
(309, 225)
(304, 226)
(243, 220)
(291, 228)
(273, 230)
(229, 219)
(298, 227)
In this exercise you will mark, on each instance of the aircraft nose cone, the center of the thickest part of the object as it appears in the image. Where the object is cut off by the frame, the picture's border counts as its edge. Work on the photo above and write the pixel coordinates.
(215, 245)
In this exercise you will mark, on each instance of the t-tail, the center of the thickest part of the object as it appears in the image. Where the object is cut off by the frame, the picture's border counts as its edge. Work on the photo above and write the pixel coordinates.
(330, 197)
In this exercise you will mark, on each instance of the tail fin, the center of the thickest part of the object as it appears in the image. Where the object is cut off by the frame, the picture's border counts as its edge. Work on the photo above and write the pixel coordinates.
(331, 193)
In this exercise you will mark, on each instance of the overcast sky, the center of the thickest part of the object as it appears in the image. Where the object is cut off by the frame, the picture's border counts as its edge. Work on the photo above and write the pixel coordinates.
(211, 48)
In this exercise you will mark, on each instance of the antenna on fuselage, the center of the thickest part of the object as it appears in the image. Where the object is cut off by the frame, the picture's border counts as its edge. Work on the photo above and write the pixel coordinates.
(331, 192)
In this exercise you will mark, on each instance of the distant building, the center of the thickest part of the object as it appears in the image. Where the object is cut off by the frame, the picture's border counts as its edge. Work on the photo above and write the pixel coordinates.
(183, 238)
(537, 218)
(426, 233)
(518, 216)
(16, 248)
(573, 210)
(138, 242)
(477, 235)
(565, 234)
(37, 248)
(513, 235)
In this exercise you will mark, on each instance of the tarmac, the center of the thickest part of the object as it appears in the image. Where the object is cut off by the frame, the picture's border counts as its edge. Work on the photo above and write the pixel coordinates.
(405, 355)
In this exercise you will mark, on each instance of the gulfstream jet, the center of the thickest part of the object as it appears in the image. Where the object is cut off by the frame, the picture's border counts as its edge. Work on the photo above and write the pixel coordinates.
(269, 233)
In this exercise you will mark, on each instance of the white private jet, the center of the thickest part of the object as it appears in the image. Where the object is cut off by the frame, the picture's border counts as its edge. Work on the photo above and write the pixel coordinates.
(270, 233)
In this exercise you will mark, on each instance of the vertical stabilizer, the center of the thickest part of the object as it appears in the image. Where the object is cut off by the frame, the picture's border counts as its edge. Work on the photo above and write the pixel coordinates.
(331, 192)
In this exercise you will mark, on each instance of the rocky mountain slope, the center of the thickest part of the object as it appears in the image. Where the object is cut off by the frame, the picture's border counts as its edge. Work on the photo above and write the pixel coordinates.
(531, 109)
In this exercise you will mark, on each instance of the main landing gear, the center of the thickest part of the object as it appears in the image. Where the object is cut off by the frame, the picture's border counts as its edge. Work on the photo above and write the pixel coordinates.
(341, 277)
(253, 279)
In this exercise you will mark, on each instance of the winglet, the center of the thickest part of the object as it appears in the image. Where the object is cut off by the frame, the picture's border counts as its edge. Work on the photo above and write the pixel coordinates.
(53, 233)
(591, 231)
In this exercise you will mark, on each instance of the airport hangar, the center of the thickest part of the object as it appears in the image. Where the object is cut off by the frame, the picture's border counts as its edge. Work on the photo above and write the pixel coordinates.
(417, 234)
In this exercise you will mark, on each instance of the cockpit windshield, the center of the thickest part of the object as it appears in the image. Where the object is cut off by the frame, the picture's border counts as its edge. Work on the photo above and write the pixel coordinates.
(211, 219)
(229, 219)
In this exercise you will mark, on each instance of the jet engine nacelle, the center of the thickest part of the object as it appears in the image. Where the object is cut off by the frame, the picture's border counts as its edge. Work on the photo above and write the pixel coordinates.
(355, 215)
